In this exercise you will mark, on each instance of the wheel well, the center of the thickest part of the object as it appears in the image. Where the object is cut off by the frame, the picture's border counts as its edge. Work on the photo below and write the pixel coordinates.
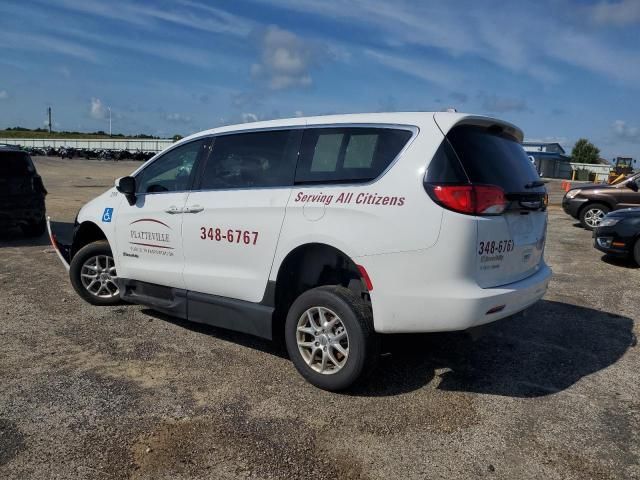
(85, 234)
(593, 202)
(309, 266)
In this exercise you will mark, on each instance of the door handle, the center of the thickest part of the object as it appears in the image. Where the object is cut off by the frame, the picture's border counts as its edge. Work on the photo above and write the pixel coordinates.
(193, 209)
(173, 210)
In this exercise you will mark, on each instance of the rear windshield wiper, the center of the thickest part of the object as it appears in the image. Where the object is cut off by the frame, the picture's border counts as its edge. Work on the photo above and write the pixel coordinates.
(534, 184)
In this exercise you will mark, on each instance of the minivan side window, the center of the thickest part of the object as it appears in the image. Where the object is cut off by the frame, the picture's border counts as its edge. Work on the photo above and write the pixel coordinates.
(348, 154)
(172, 171)
(252, 160)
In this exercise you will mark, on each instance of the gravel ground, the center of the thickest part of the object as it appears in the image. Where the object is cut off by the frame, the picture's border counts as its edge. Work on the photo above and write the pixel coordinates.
(124, 392)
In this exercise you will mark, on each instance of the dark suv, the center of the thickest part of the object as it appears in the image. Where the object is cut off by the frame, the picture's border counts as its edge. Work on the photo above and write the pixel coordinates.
(21, 193)
(590, 203)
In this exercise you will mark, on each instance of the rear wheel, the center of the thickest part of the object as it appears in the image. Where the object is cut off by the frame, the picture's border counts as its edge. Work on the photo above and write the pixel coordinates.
(636, 251)
(93, 274)
(330, 337)
(592, 215)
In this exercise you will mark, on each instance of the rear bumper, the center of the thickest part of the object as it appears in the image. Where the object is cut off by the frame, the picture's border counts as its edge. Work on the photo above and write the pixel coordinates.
(449, 305)
(63, 250)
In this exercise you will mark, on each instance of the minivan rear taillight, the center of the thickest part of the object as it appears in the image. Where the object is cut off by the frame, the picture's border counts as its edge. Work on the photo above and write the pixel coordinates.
(469, 199)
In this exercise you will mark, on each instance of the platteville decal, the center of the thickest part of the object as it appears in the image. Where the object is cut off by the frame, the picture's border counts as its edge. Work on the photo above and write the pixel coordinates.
(144, 237)
(107, 215)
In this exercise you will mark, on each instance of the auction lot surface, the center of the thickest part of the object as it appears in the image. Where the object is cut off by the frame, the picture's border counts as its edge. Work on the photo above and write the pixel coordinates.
(123, 392)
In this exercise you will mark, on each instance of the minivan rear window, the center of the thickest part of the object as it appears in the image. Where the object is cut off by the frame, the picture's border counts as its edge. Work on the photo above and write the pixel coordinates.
(481, 155)
(15, 164)
(348, 154)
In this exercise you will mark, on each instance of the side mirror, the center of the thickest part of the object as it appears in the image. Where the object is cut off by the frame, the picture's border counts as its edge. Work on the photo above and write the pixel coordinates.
(632, 185)
(127, 186)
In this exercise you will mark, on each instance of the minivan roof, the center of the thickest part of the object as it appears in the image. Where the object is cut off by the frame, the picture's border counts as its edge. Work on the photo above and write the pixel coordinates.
(444, 119)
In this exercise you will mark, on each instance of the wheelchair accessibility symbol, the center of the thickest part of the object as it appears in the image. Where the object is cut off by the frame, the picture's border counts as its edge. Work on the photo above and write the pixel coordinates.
(107, 215)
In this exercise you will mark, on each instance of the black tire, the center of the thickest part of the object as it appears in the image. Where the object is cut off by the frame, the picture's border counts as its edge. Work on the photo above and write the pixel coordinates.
(357, 320)
(98, 249)
(636, 252)
(587, 219)
(35, 229)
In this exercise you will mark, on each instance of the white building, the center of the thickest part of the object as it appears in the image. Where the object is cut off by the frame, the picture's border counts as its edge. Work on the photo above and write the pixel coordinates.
(544, 147)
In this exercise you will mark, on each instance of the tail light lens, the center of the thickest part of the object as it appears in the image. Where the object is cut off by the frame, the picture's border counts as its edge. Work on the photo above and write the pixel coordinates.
(469, 199)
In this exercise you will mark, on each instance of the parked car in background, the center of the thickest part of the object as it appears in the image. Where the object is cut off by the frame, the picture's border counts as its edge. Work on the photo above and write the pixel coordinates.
(591, 202)
(619, 234)
(21, 193)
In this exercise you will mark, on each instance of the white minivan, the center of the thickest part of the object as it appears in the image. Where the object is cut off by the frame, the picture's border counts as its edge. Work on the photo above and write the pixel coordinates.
(328, 231)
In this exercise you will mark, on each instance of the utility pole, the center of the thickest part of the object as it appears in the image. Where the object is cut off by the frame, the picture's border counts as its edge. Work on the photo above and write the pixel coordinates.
(49, 111)
(109, 120)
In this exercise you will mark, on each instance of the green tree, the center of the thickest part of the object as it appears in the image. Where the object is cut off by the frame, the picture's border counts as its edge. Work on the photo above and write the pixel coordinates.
(176, 137)
(585, 152)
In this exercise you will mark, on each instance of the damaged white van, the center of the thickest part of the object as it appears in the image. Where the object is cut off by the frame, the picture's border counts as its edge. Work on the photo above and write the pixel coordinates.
(329, 231)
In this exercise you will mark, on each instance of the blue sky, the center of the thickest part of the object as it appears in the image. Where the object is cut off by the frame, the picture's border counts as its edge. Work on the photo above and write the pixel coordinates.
(559, 69)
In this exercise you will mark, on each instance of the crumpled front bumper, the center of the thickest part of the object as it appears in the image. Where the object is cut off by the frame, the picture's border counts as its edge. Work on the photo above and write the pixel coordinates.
(60, 244)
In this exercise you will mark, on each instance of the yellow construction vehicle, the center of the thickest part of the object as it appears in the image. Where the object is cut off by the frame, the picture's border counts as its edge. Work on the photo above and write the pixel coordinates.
(622, 167)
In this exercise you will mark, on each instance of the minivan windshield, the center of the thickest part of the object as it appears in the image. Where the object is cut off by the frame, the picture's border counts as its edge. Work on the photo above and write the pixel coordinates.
(15, 164)
(489, 156)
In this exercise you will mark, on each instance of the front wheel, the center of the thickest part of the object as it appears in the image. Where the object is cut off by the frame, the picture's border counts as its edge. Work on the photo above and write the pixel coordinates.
(93, 274)
(330, 337)
(592, 215)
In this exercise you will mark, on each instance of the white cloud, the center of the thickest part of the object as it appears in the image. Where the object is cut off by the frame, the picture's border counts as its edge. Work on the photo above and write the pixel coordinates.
(64, 71)
(249, 117)
(55, 125)
(37, 42)
(624, 12)
(430, 71)
(169, 51)
(285, 60)
(191, 14)
(585, 51)
(208, 19)
(97, 109)
(81, 36)
(102, 9)
(494, 34)
(626, 132)
(3, 95)
(177, 118)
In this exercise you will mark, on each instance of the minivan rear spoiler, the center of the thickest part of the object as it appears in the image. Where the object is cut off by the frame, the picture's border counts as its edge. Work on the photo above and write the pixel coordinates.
(446, 121)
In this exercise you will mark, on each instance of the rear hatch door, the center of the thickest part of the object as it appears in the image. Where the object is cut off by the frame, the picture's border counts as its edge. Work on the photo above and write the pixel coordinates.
(509, 246)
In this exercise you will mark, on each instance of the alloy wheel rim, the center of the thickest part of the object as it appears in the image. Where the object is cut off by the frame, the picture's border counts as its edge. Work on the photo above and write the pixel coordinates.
(322, 340)
(98, 276)
(593, 217)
